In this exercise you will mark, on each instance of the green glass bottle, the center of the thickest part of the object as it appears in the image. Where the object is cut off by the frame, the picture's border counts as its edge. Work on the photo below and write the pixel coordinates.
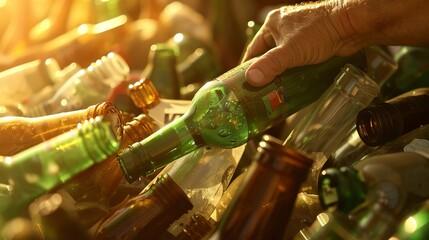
(227, 112)
(341, 188)
(161, 69)
(45, 166)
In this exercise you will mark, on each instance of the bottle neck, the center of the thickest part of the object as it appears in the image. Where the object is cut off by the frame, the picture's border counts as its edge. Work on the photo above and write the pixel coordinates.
(170, 142)
(384, 121)
(149, 213)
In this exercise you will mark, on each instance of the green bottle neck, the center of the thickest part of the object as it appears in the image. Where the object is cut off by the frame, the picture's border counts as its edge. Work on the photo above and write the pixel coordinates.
(173, 141)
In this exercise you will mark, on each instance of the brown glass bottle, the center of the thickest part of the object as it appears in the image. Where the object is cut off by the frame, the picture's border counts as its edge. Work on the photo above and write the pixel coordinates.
(149, 214)
(267, 195)
(100, 181)
(20, 133)
(382, 122)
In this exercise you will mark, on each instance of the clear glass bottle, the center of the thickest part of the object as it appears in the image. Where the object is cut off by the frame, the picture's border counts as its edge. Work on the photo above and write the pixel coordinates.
(147, 215)
(20, 133)
(320, 132)
(87, 87)
(45, 166)
(381, 66)
(382, 122)
(227, 112)
(264, 202)
(27, 79)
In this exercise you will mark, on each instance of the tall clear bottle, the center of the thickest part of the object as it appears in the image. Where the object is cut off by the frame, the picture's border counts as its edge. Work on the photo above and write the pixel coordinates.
(319, 133)
(263, 205)
(227, 112)
(87, 87)
(50, 164)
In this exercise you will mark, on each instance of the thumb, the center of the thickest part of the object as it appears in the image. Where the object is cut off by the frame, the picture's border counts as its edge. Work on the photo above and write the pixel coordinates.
(265, 68)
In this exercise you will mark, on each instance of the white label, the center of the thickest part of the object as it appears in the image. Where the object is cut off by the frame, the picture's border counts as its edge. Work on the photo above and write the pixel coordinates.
(169, 110)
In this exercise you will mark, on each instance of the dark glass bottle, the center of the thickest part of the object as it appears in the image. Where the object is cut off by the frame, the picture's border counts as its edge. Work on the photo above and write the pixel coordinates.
(412, 72)
(54, 221)
(227, 112)
(149, 214)
(384, 121)
(262, 207)
(99, 182)
(161, 69)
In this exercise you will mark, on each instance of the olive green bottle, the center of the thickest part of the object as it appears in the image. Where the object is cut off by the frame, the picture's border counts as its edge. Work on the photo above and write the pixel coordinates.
(227, 111)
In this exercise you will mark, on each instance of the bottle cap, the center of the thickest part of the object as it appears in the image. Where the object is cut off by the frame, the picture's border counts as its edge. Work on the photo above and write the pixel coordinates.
(144, 94)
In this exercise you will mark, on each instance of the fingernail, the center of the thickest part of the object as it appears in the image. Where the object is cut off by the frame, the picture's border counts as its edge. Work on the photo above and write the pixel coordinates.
(255, 76)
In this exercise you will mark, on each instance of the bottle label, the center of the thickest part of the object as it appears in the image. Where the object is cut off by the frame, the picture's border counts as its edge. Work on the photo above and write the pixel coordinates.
(168, 110)
(274, 99)
(420, 146)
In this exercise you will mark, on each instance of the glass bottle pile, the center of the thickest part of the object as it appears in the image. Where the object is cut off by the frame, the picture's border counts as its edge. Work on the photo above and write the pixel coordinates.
(129, 120)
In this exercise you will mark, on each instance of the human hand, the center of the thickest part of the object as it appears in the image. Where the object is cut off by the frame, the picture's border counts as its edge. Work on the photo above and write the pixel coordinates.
(299, 35)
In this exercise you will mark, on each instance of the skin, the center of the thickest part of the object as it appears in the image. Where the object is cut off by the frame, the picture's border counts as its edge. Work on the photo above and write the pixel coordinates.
(311, 33)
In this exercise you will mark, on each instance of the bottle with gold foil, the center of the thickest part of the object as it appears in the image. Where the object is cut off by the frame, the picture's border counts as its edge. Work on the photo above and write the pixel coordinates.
(87, 87)
(46, 166)
(227, 111)
(264, 202)
(20, 133)
(147, 215)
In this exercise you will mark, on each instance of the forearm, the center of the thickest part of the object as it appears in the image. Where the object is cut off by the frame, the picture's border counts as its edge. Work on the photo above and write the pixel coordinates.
(386, 22)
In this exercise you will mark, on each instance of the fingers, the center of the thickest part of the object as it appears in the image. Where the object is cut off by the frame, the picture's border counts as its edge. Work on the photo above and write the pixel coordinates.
(262, 42)
(265, 68)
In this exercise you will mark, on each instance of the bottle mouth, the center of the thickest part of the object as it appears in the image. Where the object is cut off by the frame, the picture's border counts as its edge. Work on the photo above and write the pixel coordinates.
(99, 131)
(363, 89)
(375, 124)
